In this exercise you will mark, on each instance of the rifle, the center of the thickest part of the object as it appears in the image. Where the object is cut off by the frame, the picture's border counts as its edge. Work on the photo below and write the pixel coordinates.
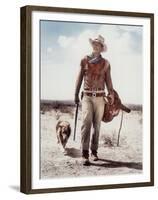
(76, 113)
(124, 108)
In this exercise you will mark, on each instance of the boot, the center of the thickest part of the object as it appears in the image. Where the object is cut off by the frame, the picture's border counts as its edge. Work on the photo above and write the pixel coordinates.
(94, 155)
(85, 158)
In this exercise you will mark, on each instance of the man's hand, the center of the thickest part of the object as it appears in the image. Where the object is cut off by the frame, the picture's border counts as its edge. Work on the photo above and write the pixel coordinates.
(111, 98)
(77, 100)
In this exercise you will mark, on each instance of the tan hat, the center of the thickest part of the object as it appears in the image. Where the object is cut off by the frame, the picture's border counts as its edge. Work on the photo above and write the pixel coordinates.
(100, 40)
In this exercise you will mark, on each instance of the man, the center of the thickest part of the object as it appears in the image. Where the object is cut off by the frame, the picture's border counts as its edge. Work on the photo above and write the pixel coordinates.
(95, 70)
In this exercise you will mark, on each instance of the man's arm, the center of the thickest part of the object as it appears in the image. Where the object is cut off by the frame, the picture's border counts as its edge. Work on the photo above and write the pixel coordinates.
(109, 84)
(78, 84)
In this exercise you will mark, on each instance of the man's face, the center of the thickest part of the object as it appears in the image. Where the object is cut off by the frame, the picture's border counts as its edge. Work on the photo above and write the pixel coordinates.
(97, 47)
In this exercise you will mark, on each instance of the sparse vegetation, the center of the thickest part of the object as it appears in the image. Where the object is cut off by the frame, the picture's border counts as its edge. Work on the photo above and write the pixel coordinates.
(114, 160)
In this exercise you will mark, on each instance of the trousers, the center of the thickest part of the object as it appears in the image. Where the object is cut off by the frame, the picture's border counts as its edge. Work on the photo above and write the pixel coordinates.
(92, 113)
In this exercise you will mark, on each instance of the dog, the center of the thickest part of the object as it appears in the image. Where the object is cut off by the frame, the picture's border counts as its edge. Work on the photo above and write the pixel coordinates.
(63, 131)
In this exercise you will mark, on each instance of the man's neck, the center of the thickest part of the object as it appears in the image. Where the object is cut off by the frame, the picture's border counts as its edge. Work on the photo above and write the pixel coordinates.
(96, 54)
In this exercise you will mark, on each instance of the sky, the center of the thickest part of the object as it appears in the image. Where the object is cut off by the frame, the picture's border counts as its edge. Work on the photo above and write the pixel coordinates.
(64, 44)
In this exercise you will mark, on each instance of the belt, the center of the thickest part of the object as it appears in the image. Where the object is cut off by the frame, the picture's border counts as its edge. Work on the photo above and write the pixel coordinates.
(92, 89)
(94, 94)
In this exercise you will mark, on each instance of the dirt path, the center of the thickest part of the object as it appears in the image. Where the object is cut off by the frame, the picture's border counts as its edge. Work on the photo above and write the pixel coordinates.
(113, 160)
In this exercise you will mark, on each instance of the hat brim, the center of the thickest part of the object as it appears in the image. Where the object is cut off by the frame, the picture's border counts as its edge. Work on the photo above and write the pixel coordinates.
(103, 44)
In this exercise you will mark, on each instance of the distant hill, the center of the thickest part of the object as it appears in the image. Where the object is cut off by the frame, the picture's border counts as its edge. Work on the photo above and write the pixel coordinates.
(55, 103)
(51, 104)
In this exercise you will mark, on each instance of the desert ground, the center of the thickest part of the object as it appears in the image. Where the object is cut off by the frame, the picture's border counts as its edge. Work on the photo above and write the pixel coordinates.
(113, 160)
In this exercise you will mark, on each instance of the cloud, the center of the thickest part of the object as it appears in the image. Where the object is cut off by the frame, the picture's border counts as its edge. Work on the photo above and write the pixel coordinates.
(49, 50)
(65, 41)
(135, 29)
(60, 72)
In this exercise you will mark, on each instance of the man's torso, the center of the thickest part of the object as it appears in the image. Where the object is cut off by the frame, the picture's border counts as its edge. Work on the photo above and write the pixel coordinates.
(94, 74)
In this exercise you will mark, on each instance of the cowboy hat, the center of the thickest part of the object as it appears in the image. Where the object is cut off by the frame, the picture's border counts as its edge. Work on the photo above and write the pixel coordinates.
(100, 40)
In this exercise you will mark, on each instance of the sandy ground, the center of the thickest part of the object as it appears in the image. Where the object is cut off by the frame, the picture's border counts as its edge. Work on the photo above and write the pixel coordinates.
(113, 160)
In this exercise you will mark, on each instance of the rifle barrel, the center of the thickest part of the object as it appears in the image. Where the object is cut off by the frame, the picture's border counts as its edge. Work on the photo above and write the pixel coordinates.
(124, 108)
(76, 113)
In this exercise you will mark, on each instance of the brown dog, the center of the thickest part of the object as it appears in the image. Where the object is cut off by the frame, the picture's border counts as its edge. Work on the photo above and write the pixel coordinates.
(63, 131)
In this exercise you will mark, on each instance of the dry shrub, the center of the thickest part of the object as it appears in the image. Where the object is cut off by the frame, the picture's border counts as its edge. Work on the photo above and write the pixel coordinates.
(109, 140)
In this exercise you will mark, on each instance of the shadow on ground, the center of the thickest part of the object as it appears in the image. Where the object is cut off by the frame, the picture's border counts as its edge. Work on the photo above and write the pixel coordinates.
(74, 153)
(115, 164)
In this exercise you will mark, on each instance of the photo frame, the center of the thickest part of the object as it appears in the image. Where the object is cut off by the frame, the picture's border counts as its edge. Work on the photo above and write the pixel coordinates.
(39, 24)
